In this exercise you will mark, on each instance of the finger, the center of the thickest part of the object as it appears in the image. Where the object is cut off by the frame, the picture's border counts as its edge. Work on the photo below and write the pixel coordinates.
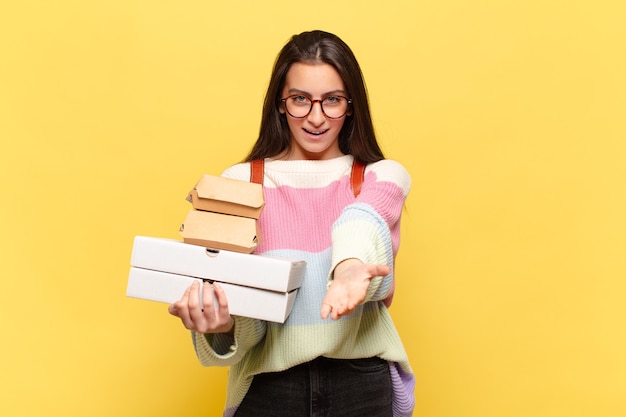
(222, 310)
(193, 296)
(378, 270)
(349, 311)
(341, 311)
(209, 313)
(182, 308)
(326, 310)
(207, 299)
(172, 309)
(195, 309)
(222, 300)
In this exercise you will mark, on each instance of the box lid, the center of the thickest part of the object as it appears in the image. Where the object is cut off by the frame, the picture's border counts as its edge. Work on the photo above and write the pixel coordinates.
(227, 196)
(251, 270)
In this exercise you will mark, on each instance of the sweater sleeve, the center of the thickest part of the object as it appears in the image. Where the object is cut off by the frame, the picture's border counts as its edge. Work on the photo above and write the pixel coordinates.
(239, 172)
(225, 350)
(369, 228)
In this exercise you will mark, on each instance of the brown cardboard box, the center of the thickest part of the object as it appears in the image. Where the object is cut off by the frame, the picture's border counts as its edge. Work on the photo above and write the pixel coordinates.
(227, 196)
(220, 231)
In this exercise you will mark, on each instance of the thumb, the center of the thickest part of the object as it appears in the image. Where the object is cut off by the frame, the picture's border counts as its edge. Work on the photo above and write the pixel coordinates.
(378, 270)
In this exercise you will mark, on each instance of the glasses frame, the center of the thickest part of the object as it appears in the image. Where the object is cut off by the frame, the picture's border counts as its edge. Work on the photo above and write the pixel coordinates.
(284, 102)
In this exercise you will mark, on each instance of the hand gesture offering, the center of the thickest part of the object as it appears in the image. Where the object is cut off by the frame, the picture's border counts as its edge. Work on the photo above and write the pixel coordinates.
(349, 287)
(205, 316)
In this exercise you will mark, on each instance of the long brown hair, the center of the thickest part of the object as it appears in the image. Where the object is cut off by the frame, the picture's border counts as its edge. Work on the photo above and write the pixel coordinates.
(357, 135)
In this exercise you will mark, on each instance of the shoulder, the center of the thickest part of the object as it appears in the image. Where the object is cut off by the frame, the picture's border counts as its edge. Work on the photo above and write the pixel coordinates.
(238, 172)
(388, 170)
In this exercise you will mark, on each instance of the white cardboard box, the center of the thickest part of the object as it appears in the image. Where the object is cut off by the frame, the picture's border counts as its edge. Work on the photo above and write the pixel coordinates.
(242, 301)
(258, 271)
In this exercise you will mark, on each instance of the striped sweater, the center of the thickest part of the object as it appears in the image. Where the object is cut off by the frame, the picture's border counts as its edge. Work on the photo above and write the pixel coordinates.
(311, 214)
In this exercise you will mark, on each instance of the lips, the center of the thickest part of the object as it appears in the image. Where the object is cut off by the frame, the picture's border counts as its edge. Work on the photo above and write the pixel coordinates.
(310, 132)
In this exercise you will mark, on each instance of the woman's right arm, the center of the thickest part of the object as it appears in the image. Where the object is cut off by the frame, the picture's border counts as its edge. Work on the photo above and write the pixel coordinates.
(224, 349)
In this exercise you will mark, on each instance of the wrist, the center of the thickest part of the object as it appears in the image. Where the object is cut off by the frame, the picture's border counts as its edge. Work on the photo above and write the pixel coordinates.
(347, 263)
(231, 331)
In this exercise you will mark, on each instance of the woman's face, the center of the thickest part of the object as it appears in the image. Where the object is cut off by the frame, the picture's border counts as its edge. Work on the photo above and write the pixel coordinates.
(314, 136)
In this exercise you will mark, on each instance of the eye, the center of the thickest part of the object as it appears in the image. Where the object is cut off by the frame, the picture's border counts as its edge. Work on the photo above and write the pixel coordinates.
(299, 99)
(332, 100)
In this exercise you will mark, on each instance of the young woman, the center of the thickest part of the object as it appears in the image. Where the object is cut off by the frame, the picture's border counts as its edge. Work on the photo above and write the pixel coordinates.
(338, 354)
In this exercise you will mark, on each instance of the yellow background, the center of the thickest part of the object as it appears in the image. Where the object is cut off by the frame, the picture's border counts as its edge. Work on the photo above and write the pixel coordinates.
(510, 116)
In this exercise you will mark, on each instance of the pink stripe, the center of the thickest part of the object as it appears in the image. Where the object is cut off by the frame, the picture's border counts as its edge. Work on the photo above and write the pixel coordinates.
(284, 208)
(284, 213)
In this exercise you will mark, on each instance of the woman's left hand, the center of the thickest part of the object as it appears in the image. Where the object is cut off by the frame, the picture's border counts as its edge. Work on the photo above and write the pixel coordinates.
(349, 287)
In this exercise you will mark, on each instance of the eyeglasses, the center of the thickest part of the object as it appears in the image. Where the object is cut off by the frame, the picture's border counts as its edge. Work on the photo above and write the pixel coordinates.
(333, 107)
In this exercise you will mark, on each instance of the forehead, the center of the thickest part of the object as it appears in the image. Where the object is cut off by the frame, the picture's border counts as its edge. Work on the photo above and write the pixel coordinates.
(315, 79)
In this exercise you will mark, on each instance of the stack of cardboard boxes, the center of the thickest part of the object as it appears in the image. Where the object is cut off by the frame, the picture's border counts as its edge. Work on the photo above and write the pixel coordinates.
(219, 235)
(225, 214)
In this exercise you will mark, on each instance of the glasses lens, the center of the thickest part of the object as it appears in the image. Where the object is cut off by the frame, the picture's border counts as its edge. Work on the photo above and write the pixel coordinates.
(298, 106)
(333, 107)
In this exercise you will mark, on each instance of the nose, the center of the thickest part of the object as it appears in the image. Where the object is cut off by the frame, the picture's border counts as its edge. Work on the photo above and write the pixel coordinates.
(316, 116)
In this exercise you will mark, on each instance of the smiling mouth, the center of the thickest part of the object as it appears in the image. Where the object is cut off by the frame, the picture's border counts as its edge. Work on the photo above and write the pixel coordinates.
(315, 133)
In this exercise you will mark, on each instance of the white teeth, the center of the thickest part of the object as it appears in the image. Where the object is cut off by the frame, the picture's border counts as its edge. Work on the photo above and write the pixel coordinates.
(315, 133)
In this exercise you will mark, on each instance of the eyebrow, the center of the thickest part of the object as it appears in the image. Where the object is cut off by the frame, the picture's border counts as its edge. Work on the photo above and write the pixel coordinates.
(328, 93)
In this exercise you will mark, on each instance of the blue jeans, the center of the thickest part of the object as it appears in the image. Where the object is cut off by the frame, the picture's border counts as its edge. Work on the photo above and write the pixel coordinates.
(322, 388)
